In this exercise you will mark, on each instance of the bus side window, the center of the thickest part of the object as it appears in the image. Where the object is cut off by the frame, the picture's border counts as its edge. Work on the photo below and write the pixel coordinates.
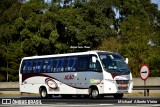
(70, 64)
(82, 63)
(35, 63)
(61, 65)
(47, 65)
(40, 65)
(24, 66)
(94, 64)
(73, 68)
(56, 62)
(30, 64)
(67, 64)
(50, 65)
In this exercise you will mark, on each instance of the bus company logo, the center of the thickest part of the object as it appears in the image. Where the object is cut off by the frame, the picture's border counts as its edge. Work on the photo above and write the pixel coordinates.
(69, 77)
(6, 101)
(51, 83)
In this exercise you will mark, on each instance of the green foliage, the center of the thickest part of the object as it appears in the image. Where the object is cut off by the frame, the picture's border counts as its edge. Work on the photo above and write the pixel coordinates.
(2, 78)
(38, 28)
(137, 28)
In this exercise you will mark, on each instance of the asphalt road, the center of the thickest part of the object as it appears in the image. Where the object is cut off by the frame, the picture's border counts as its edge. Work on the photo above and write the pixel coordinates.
(108, 101)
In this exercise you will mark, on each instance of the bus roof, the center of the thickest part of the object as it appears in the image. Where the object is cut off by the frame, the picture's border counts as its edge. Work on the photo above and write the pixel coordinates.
(66, 54)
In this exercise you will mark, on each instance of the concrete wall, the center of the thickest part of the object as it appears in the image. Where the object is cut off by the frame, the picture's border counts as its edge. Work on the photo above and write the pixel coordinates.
(136, 82)
(149, 81)
(9, 84)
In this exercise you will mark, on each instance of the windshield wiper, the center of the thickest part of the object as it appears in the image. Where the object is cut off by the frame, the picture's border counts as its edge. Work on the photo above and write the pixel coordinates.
(122, 69)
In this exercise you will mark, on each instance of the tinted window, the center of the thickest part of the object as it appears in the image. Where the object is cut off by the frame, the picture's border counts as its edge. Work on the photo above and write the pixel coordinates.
(32, 66)
(70, 64)
(40, 65)
(29, 67)
(60, 67)
(82, 63)
(94, 66)
(114, 63)
(24, 66)
(35, 65)
(47, 65)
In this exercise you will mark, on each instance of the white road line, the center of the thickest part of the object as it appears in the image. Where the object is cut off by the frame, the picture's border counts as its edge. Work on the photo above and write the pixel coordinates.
(82, 105)
(106, 104)
(156, 105)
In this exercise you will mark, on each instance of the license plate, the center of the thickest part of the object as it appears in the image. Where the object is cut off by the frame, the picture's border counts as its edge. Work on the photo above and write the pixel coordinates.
(123, 85)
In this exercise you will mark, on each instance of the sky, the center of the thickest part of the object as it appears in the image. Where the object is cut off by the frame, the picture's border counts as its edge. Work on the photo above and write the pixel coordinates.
(153, 1)
(156, 2)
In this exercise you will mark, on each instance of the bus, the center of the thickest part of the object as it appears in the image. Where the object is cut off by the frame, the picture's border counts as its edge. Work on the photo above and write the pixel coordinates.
(93, 73)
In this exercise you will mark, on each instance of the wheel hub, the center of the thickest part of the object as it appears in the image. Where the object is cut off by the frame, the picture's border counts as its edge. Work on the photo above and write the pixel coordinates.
(94, 93)
(44, 93)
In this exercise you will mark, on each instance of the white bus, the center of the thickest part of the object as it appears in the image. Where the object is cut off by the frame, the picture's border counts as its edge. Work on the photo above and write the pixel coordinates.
(92, 73)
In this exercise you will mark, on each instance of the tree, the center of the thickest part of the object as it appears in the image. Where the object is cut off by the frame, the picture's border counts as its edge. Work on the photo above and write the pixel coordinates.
(135, 29)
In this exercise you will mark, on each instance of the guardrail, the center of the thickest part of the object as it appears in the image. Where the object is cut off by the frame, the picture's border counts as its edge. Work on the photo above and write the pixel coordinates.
(9, 89)
(145, 88)
(152, 87)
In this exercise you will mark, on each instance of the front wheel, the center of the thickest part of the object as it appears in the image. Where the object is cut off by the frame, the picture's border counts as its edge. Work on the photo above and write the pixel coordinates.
(118, 96)
(94, 93)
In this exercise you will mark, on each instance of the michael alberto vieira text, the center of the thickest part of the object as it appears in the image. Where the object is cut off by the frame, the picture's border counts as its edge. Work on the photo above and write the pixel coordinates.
(138, 101)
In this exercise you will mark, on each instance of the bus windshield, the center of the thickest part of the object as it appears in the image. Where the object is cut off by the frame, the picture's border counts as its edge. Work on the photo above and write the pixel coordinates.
(113, 63)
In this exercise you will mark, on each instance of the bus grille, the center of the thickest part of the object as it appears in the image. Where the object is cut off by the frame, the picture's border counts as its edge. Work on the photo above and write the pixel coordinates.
(122, 81)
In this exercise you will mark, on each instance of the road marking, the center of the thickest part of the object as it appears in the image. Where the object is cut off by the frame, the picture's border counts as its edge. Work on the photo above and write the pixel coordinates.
(72, 105)
(157, 105)
(82, 105)
(106, 104)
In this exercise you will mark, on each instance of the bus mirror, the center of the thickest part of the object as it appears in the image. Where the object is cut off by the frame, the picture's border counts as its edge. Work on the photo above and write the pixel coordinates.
(126, 60)
(94, 59)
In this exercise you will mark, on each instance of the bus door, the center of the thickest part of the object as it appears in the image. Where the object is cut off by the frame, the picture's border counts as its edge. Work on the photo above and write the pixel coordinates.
(89, 73)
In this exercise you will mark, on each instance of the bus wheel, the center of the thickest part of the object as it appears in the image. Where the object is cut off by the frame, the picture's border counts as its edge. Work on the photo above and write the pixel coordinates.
(94, 93)
(118, 96)
(43, 93)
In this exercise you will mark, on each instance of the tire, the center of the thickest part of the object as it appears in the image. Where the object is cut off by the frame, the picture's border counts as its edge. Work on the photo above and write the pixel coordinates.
(43, 93)
(94, 93)
(118, 96)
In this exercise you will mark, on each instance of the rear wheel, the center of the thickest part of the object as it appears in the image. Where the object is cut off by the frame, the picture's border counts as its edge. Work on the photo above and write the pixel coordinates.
(43, 93)
(118, 96)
